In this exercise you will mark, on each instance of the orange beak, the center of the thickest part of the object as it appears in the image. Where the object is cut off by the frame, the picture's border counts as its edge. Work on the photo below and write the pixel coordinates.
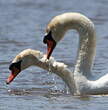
(12, 76)
(50, 47)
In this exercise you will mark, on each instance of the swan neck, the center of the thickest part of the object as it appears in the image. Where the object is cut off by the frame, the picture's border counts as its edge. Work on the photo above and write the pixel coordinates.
(59, 69)
(86, 50)
(87, 40)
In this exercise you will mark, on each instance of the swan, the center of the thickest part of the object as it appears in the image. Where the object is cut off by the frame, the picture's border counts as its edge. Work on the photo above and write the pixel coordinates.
(59, 25)
(78, 85)
(56, 30)
(31, 57)
(78, 80)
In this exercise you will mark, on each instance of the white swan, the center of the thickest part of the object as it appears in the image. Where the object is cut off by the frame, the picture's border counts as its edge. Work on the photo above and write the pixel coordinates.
(31, 57)
(59, 25)
(77, 81)
(78, 84)
(55, 31)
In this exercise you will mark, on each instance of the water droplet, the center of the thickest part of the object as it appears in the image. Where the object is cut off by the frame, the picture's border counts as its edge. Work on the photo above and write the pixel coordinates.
(9, 90)
(53, 77)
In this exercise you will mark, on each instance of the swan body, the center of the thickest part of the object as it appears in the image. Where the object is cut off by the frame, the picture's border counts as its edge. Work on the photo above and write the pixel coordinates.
(77, 81)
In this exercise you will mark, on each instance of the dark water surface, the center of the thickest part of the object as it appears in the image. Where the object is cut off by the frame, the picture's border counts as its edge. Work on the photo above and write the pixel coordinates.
(22, 24)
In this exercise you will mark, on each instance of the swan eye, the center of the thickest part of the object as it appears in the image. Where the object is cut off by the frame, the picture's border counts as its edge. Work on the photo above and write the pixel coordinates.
(16, 65)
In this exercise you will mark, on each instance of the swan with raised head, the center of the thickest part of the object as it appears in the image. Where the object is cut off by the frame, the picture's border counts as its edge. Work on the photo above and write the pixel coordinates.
(77, 81)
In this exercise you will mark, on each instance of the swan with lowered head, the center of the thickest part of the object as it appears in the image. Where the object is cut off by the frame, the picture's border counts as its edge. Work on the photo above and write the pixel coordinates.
(78, 85)
(59, 25)
(77, 81)
(31, 57)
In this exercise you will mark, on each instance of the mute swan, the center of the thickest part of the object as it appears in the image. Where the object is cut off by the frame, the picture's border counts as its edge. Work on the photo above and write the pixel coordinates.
(55, 31)
(60, 24)
(78, 84)
(77, 81)
(31, 57)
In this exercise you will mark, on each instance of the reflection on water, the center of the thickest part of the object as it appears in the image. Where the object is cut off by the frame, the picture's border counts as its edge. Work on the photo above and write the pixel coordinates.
(34, 92)
(22, 25)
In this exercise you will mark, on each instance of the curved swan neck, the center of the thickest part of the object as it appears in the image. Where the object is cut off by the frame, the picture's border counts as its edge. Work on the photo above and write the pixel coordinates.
(86, 48)
(85, 55)
(87, 38)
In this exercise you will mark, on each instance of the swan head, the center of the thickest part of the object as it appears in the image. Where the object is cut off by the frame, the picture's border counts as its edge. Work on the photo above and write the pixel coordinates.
(55, 31)
(51, 38)
(22, 61)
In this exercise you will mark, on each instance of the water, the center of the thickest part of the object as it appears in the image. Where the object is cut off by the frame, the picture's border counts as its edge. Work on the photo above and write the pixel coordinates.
(22, 25)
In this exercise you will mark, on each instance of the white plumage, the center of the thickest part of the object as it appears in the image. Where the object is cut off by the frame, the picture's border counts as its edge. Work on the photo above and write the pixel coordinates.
(77, 81)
